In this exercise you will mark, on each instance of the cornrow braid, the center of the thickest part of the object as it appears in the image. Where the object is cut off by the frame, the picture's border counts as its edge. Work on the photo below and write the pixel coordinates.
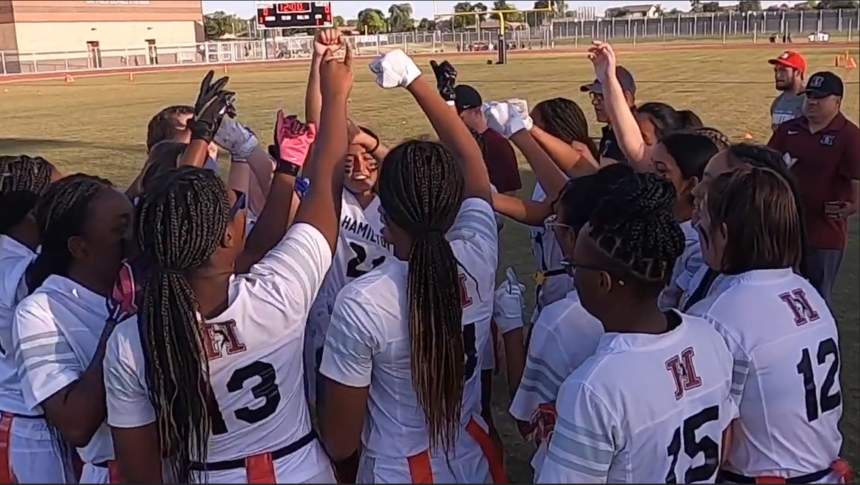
(181, 221)
(565, 120)
(718, 137)
(636, 227)
(421, 190)
(61, 214)
(23, 180)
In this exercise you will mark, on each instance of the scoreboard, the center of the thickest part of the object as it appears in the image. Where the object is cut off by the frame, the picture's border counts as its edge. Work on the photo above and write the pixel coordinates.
(291, 15)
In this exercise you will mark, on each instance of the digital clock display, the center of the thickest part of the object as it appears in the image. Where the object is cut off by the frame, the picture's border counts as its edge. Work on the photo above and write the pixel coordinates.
(293, 7)
(293, 15)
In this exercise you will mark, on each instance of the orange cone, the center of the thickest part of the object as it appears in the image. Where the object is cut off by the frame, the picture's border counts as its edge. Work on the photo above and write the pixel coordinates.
(852, 64)
(131, 77)
(225, 68)
(69, 78)
(748, 136)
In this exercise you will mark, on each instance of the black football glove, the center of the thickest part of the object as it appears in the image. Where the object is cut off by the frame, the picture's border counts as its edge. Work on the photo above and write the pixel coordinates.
(213, 102)
(446, 77)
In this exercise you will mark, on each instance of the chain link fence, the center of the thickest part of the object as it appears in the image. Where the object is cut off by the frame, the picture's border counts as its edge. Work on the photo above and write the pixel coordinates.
(558, 33)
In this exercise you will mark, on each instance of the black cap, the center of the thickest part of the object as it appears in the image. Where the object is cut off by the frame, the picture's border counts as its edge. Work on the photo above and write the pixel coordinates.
(823, 84)
(467, 97)
(628, 85)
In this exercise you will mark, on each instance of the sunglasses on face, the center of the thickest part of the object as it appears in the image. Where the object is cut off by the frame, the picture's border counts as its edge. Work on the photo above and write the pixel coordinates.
(241, 202)
(551, 224)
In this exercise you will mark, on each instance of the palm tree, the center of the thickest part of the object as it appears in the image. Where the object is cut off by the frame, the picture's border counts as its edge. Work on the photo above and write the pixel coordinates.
(400, 18)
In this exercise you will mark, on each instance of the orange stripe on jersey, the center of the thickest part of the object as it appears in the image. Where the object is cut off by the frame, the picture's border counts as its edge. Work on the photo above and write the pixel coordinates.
(260, 469)
(493, 454)
(6, 473)
(420, 470)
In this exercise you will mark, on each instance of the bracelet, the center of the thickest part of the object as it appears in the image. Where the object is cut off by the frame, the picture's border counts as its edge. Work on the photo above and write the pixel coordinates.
(287, 168)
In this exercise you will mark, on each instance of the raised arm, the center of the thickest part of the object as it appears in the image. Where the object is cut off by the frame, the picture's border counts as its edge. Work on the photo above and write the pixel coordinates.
(526, 212)
(623, 122)
(213, 103)
(320, 206)
(396, 69)
(325, 39)
(571, 160)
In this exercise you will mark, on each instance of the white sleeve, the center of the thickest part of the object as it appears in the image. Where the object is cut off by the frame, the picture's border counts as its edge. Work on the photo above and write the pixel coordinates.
(545, 371)
(585, 440)
(692, 260)
(46, 361)
(352, 339)
(741, 360)
(293, 271)
(128, 404)
(475, 219)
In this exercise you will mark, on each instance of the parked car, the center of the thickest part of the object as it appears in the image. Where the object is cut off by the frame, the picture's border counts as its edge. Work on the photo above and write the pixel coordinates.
(819, 37)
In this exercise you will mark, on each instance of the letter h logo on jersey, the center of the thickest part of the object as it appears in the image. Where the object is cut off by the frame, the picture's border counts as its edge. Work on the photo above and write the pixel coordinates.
(800, 307)
(684, 372)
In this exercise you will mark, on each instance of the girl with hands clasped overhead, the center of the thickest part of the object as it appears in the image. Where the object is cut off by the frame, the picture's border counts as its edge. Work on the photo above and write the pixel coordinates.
(360, 246)
(204, 378)
(405, 341)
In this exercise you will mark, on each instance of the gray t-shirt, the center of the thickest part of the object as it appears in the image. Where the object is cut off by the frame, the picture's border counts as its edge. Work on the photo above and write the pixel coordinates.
(787, 106)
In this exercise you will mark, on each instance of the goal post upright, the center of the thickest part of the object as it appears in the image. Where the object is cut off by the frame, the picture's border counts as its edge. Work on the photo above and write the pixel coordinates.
(502, 45)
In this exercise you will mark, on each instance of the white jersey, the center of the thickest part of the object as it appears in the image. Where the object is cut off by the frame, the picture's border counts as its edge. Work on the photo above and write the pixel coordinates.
(645, 409)
(14, 260)
(563, 336)
(786, 349)
(360, 248)
(547, 256)
(368, 344)
(686, 267)
(55, 333)
(255, 363)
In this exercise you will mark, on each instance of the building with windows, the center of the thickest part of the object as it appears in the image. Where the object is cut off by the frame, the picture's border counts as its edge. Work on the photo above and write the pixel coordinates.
(86, 34)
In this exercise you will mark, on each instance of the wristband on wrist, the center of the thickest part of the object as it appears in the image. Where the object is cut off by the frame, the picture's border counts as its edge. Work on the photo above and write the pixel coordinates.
(287, 168)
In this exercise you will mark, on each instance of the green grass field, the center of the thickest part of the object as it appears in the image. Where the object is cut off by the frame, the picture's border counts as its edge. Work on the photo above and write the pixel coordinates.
(98, 126)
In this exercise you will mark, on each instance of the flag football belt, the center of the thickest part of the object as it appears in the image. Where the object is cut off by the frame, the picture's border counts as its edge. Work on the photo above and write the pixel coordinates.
(839, 466)
(242, 462)
(541, 276)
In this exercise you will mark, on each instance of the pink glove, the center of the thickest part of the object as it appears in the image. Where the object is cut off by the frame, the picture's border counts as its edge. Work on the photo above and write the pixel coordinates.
(293, 139)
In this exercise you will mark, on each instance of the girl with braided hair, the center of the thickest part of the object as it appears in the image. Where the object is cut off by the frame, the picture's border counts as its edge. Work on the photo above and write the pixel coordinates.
(61, 328)
(651, 405)
(779, 330)
(404, 346)
(206, 381)
(564, 334)
(31, 456)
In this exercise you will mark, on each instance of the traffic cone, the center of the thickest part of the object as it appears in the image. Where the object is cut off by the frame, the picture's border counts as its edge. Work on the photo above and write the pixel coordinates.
(69, 78)
(131, 77)
(748, 136)
(852, 64)
(225, 68)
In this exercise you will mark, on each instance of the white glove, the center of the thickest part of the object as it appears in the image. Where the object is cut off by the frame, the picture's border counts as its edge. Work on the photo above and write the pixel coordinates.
(508, 303)
(523, 107)
(395, 69)
(236, 139)
(504, 118)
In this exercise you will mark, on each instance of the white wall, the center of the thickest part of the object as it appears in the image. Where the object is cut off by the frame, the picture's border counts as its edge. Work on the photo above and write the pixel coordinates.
(73, 36)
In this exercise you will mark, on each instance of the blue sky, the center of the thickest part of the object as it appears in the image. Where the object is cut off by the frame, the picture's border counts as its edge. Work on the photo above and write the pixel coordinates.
(421, 9)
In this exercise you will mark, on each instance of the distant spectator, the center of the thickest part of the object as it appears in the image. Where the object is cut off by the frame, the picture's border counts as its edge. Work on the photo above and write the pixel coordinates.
(788, 72)
(499, 155)
(822, 148)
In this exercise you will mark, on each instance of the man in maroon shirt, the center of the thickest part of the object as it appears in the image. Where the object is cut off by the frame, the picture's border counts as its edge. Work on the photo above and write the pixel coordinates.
(499, 155)
(822, 149)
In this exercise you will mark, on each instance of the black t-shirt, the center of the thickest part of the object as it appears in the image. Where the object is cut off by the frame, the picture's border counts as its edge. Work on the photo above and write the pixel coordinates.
(609, 147)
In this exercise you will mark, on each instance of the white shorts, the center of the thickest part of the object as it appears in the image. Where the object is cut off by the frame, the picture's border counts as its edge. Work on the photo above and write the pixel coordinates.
(33, 456)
